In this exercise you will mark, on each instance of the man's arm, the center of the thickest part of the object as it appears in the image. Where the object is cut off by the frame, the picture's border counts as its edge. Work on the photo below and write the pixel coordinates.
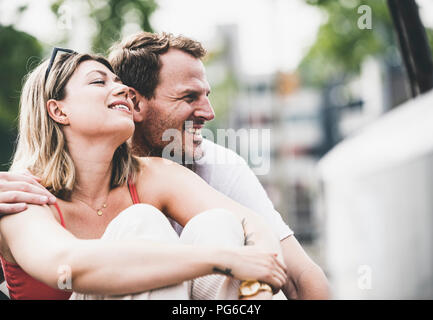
(238, 182)
(306, 279)
(18, 190)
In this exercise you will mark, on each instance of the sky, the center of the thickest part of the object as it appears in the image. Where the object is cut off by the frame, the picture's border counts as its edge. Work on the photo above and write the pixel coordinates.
(272, 34)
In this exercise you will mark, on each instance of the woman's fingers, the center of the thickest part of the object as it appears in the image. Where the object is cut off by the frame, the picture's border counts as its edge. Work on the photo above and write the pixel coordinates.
(282, 269)
(282, 280)
(16, 197)
(18, 190)
(27, 173)
(20, 177)
(280, 262)
(263, 266)
(25, 184)
(276, 273)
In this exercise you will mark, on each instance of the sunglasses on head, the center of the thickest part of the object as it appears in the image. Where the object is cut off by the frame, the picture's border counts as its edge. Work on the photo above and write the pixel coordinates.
(53, 56)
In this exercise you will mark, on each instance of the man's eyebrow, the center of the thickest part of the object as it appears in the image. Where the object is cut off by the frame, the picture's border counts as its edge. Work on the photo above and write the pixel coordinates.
(192, 91)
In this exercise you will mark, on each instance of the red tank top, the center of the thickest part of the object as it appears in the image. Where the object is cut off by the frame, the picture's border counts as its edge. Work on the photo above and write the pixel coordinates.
(24, 287)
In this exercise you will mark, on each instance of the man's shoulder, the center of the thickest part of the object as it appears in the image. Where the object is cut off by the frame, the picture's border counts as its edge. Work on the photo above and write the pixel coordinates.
(220, 167)
(215, 154)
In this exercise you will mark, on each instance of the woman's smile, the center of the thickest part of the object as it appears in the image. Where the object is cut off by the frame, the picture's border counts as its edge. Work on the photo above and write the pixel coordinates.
(121, 106)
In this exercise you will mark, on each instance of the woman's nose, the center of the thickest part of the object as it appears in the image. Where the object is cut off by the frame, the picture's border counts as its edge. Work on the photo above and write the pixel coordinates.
(122, 89)
(132, 94)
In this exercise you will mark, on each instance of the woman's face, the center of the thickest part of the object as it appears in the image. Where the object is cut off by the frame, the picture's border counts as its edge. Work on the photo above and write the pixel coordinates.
(97, 104)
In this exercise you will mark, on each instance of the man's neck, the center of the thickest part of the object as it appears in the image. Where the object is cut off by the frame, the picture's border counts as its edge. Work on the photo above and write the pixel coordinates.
(141, 149)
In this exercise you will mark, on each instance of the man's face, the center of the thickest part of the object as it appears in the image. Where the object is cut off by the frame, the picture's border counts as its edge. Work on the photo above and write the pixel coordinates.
(181, 97)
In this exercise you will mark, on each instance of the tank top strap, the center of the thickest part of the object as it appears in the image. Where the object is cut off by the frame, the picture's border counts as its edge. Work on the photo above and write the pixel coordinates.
(62, 221)
(133, 192)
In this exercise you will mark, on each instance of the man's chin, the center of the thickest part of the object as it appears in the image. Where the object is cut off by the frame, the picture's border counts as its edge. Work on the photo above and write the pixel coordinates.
(198, 152)
(190, 156)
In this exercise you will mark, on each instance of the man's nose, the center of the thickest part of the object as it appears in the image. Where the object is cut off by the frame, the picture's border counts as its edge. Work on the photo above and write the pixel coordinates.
(205, 110)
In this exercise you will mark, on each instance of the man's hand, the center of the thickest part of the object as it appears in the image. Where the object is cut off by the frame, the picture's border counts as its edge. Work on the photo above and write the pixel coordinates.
(17, 190)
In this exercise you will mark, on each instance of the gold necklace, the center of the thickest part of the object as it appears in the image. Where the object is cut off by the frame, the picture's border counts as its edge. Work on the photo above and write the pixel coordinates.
(99, 211)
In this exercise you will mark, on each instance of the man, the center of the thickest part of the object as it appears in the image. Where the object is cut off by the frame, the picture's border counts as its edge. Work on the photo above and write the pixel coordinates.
(171, 96)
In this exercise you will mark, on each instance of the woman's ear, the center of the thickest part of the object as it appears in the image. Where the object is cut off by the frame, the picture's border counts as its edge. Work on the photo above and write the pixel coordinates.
(56, 113)
(139, 104)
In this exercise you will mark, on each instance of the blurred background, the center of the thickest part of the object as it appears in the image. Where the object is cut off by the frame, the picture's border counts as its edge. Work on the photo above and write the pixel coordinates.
(350, 141)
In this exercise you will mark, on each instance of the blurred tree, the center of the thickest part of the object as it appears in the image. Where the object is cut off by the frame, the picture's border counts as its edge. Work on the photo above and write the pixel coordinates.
(18, 51)
(111, 16)
(341, 45)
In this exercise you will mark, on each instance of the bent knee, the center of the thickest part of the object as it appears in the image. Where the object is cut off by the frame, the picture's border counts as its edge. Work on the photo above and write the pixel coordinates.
(142, 220)
(141, 211)
(214, 226)
(217, 217)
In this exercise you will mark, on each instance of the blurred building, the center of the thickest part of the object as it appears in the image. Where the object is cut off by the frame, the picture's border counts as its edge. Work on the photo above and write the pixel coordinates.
(293, 114)
(294, 119)
(305, 123)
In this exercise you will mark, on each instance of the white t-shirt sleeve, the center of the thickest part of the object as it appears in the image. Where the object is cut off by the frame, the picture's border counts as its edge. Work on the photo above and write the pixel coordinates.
(248, 191)
(235, 179)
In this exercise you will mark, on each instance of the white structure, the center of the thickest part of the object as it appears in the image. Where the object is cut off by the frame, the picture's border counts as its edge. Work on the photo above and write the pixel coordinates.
(378, 207)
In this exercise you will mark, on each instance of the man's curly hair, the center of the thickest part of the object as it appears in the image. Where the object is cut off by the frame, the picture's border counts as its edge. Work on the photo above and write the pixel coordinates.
(136, 59)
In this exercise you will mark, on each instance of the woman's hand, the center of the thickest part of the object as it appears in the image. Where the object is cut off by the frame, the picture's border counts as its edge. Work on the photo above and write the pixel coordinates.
(254, 263)
(19, 189)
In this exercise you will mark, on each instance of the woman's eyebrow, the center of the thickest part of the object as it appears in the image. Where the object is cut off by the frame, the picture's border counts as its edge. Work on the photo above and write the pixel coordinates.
(103, 73)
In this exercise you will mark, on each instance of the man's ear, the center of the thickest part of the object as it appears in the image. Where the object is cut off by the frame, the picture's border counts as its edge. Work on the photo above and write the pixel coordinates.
(56, 113)
(139, 105)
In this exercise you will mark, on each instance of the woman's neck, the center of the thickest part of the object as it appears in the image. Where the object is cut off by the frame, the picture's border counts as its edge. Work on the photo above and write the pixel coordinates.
(92, 161)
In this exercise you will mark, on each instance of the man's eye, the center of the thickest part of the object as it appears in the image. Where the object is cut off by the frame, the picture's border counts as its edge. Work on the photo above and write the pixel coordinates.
(189, 97)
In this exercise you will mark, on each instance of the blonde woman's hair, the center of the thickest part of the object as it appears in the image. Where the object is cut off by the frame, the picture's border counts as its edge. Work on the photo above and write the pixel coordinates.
(41, 147)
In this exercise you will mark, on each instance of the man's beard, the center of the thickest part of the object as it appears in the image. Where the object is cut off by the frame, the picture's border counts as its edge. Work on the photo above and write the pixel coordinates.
(180, 148)
(157, 139)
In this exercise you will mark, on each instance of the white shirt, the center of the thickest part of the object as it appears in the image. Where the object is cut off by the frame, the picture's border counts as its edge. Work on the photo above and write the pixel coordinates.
(227, 172)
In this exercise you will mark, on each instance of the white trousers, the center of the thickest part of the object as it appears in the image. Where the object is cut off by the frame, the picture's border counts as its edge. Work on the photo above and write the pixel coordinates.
(216, 227)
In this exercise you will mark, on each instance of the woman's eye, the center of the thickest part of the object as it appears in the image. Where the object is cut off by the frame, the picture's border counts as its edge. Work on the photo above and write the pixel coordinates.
(98, 82)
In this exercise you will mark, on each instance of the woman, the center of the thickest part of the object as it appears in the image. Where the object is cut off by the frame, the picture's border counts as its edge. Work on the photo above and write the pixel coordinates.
(75, 119)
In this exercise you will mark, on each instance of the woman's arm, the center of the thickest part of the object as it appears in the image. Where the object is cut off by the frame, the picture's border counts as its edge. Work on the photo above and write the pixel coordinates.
(42, 247)
(184, 194)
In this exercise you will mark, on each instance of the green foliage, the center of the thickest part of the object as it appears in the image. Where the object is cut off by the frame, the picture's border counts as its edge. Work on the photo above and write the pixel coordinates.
(341, 45)
(18, 52)
(18, 49)
(111, 16)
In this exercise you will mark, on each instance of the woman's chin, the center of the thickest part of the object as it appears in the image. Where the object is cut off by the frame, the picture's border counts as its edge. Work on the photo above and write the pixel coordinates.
(125, 132)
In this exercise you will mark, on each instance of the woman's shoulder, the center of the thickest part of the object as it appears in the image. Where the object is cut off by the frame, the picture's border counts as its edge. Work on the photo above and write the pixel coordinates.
(160, 174)
(13, 223)
(32, 211)
(158, 165)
